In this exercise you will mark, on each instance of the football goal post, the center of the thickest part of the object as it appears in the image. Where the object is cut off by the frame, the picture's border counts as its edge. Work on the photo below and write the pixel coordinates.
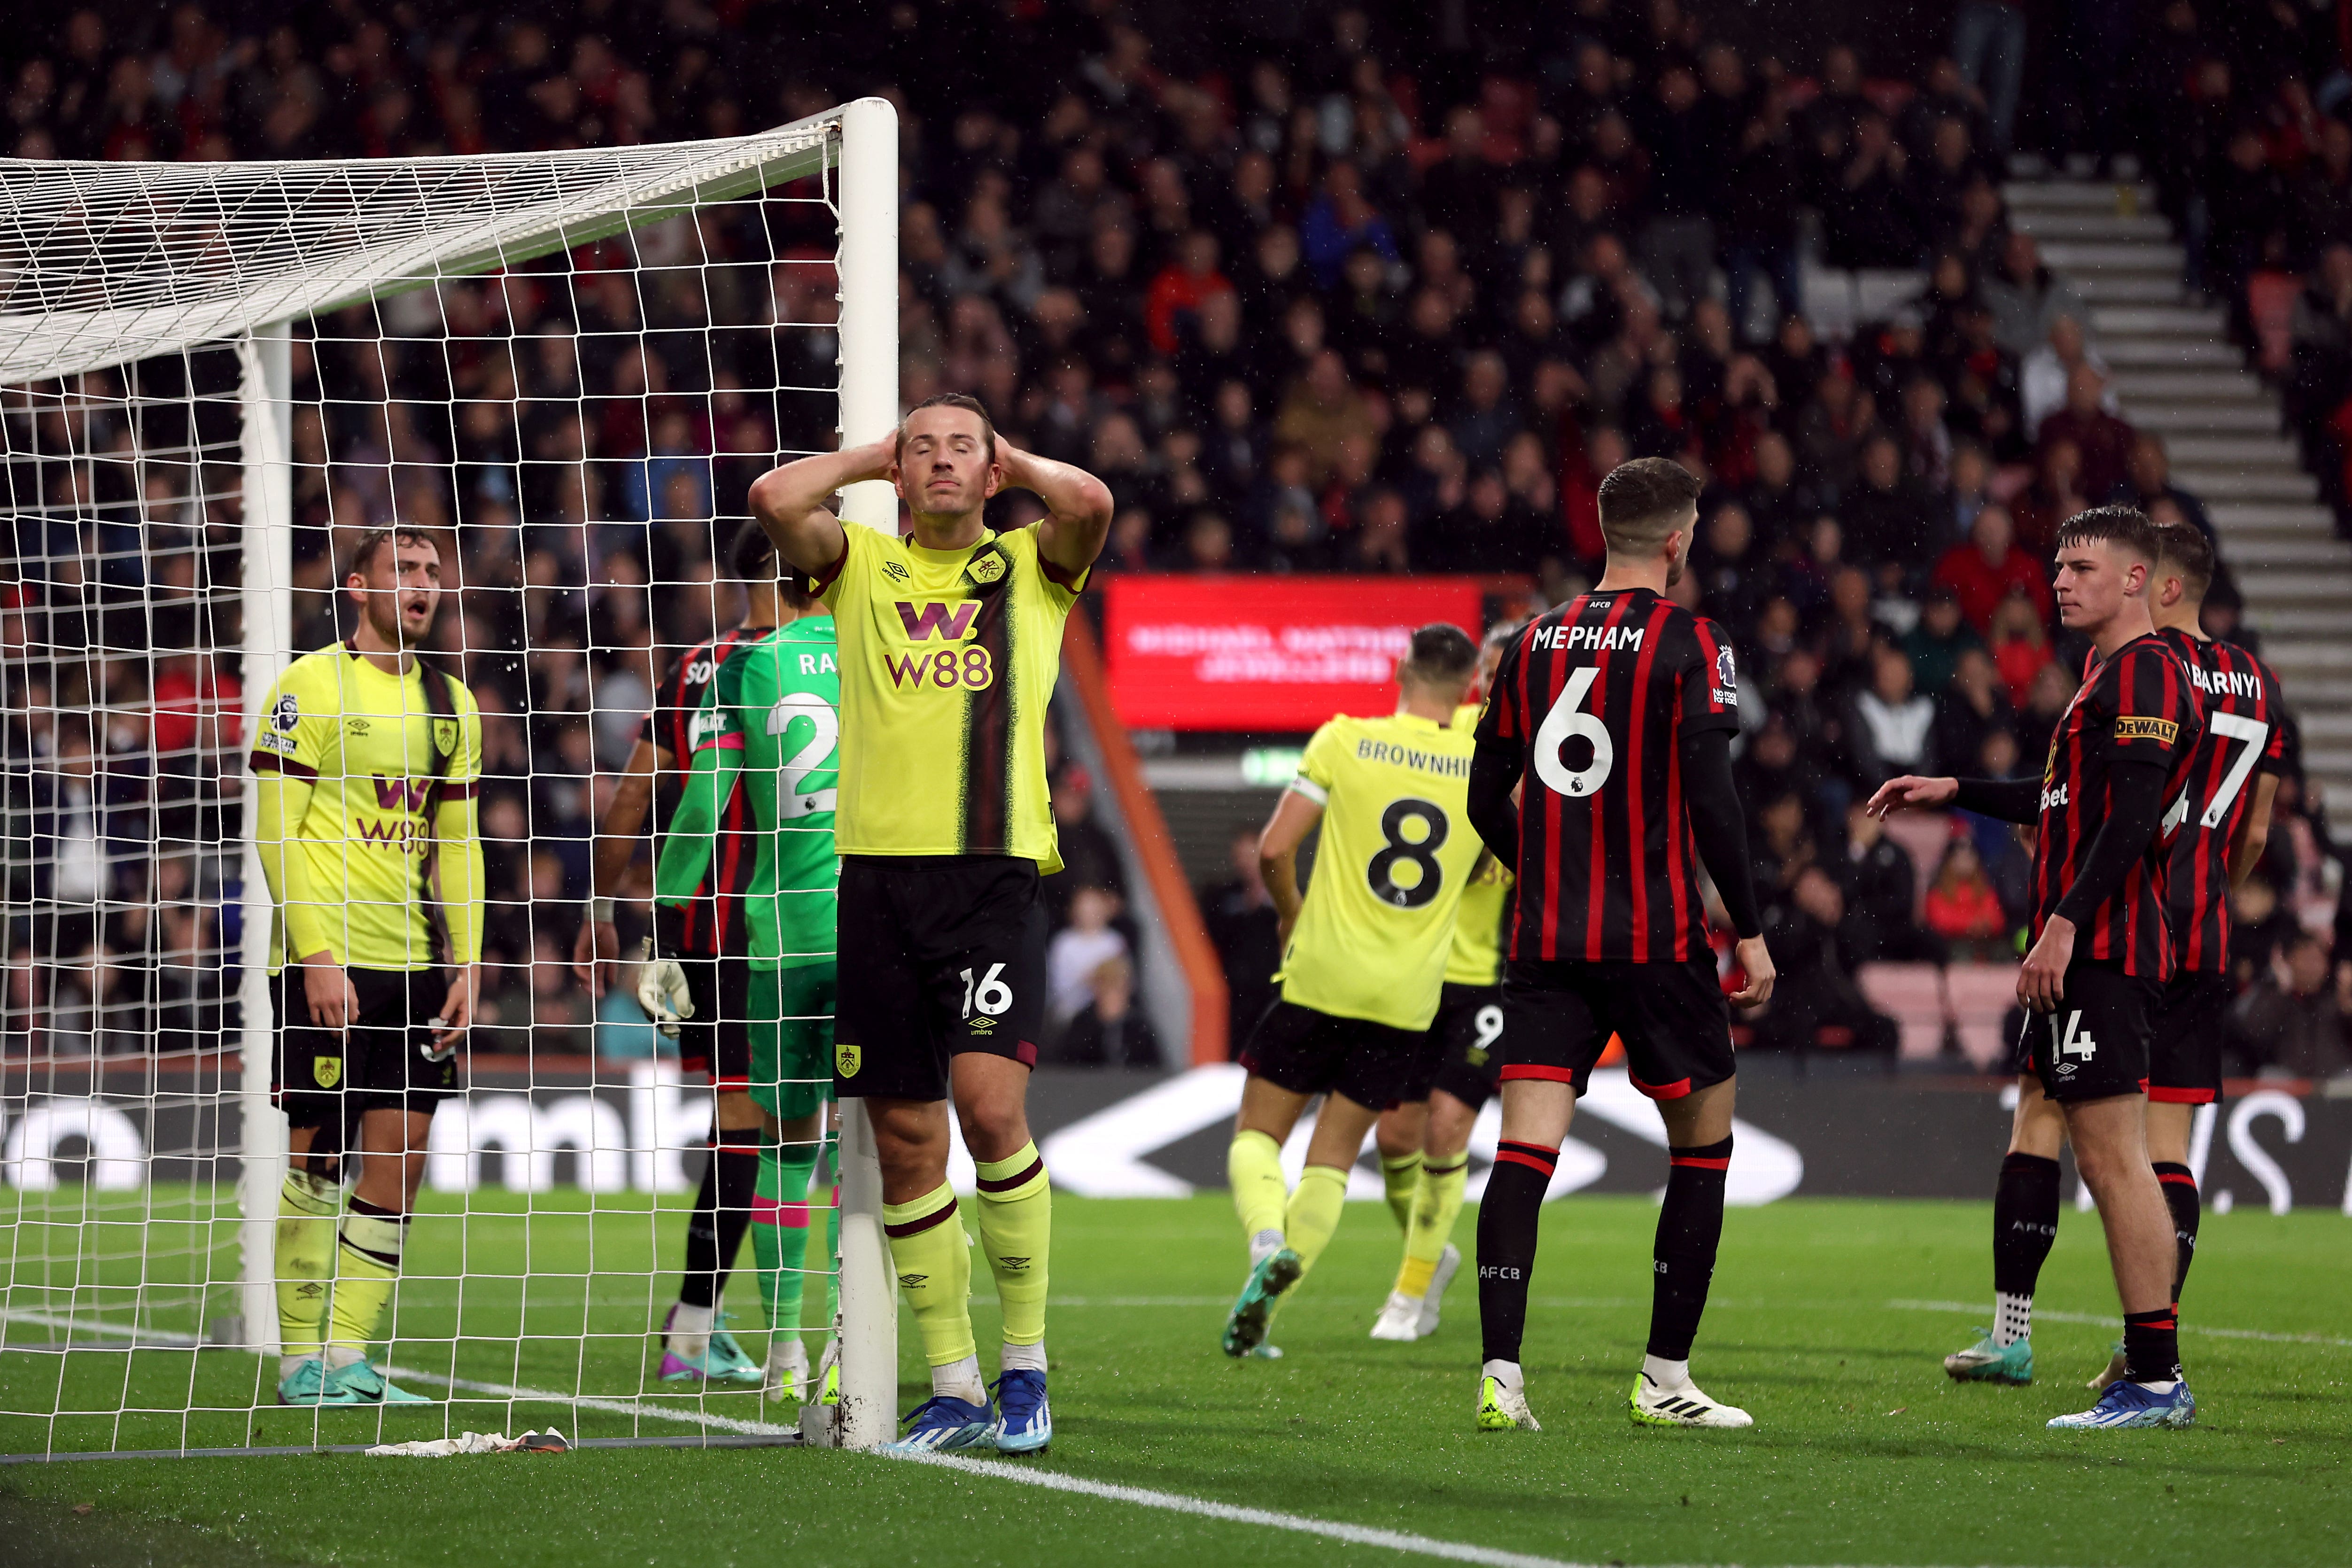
(565, 368)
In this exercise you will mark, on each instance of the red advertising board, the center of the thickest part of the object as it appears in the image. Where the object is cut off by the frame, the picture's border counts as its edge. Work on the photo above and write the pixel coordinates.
(1267, 653)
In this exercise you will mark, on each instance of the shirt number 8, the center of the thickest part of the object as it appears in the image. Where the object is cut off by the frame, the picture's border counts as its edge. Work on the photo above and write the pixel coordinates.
(1420, 854)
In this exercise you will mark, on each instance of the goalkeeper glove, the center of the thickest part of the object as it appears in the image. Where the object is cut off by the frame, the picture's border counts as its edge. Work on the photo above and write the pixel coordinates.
(662, 991)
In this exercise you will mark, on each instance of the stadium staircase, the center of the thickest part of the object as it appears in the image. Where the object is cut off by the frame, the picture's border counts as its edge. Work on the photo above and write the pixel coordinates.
(2178, 374)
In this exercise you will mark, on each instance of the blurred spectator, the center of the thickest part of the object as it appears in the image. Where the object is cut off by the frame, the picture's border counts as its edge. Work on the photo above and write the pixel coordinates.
(1241, 920)
(1934, 645)
(1109, 1030)
(2290, 1021)
(1881, 895)
(2026, 298)
(1989, 568)
(1970, 710)
(1963, 907)
(1077, 948)
(2021, 647)
(1816, 1006)
(2102, 441)
(1894, 724)
(2049, 371)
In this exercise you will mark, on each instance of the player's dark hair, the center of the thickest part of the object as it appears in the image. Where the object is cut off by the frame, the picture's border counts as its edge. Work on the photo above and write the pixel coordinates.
(2125, 526)
(1443, 655)
(2182, 547)
(964, 401)
(751, 558)
(363, 552)
(1643, 500)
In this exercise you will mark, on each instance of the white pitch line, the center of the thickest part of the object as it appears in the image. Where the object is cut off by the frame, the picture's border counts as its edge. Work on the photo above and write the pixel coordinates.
(586, 1402)
(1176, 1502)
(2095, 1320)
(1173, 1503)
(417, 1374)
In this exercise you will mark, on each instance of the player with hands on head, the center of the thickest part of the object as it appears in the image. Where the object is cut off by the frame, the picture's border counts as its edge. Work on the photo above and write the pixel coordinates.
(949, 645)
(1603, 778)
(2102, 951)
(367, 764)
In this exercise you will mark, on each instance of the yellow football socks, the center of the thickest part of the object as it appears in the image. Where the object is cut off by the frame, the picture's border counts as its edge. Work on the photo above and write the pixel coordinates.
(933, 1262)
(307, 1206)
(367, 1267)
(1436, 1203)
(1254, 1171)
(1314, 1213)
(1401, 1175)
(1016, 1227)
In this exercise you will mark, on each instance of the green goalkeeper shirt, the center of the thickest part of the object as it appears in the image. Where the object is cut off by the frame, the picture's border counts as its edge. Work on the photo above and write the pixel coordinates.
(770, 725)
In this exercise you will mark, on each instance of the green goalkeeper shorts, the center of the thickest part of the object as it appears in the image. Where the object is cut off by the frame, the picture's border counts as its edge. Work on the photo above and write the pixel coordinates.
(791, 1039)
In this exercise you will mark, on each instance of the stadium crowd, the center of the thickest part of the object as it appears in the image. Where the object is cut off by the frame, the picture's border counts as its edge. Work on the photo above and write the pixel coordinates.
(1346, 300)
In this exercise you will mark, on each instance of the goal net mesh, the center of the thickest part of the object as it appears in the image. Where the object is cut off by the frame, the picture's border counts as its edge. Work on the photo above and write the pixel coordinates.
(567, 367)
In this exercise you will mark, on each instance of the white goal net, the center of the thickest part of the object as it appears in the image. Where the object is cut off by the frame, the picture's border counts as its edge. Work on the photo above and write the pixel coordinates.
(565, 368)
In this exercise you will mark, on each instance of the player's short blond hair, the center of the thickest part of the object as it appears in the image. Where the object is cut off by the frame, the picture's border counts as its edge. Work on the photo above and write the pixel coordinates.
(964, 401)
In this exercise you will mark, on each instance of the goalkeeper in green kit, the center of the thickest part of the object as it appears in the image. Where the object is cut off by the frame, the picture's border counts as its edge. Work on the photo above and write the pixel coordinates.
(770, 723)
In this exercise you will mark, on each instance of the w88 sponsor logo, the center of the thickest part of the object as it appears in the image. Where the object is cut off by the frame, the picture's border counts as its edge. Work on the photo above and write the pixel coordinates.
(946, 669)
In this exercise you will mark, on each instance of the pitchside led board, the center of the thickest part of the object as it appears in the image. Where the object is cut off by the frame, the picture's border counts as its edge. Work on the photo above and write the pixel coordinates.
(1269, 654)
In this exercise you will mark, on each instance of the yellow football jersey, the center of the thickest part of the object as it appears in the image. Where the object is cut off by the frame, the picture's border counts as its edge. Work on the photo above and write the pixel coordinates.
(948, 660)
(364, 740)
(1397, 850)
(1476, 958)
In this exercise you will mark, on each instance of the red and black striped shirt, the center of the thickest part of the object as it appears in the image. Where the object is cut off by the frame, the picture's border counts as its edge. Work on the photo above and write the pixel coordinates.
(712, 925)
(2137, 705)
(1599, 692)
(2243, 735)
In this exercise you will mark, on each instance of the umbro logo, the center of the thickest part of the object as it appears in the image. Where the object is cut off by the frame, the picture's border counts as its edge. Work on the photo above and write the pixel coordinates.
(1015, 1264)
(898, 574)
(355, 726)
(912, 1281)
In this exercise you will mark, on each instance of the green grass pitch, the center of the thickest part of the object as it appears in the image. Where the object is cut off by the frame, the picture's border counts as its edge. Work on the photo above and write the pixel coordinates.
(1863, 1451)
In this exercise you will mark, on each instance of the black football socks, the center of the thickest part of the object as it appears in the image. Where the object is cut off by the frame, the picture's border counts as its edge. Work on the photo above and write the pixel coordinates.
(722, 1212)
(2179, 1186)
(1508, 1217)
(2152, 1346)
(1690, 1227)
(2024, 1225)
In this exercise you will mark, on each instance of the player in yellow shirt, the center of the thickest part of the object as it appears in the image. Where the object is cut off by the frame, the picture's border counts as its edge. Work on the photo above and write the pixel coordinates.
(1425, 1141)
(367, 761)
(1363, 957)
(950, 641)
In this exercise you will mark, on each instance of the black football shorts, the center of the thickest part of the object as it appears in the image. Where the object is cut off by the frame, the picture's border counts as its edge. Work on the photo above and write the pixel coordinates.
(720, 1030)
(1558, 1016)
(1310, 1052)
(941, 954)
(2095, 1045)
(325, 1079)
(2184, 1052)
(1458, 1053)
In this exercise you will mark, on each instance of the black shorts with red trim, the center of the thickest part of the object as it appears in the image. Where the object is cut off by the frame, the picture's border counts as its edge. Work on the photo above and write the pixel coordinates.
(1458, 1054)
(2095, 1044)
(2184, 1054)
(1558, 1016)
(941, 955)
(719, 1033)
(1309, 1052)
